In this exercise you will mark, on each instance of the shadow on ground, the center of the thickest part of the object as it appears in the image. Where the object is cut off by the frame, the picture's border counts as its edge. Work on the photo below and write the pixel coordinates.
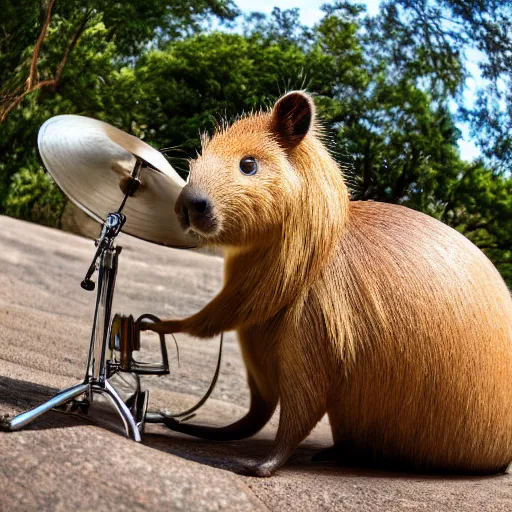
(231, 456)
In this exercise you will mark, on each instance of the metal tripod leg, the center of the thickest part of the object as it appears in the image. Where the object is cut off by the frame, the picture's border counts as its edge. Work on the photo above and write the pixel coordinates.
(67, 395)
(64, 396)
(132, 430)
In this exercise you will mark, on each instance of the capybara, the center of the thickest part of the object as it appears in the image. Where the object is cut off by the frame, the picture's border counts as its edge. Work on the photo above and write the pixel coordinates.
(392, 323)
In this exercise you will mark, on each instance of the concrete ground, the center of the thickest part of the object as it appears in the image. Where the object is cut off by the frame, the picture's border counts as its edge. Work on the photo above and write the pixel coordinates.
(67, 463)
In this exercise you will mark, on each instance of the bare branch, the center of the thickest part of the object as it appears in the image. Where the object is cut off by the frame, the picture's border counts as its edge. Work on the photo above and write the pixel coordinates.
(5, 111)
(32, 84)
(32, 77)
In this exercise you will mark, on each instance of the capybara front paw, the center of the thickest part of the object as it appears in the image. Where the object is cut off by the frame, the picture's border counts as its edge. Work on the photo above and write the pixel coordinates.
(261, 469)
(168, 327)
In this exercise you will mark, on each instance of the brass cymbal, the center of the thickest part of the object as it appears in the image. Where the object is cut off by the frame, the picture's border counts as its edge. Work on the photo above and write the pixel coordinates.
(89, 160)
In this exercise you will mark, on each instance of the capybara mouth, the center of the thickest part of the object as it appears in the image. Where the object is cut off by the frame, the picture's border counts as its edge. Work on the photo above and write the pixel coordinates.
(204, 225)
(184, 220)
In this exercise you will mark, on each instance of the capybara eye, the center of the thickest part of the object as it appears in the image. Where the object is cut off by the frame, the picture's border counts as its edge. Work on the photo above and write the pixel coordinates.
(248, 165)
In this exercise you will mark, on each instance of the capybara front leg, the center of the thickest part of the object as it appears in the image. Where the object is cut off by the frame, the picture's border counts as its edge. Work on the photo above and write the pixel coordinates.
(220, 315)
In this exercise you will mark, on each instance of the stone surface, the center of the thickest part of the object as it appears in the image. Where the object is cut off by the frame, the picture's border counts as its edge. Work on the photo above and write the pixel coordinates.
(65, 462)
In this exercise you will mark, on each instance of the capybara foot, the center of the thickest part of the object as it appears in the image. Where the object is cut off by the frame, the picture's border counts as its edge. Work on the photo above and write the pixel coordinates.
(260, 469)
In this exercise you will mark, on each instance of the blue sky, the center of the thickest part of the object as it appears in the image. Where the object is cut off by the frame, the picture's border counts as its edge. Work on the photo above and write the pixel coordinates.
(309, 9)
(311, 13)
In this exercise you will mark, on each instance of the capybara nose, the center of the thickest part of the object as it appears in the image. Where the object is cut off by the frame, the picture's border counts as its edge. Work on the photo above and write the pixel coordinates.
(195, 210)
(197, 204)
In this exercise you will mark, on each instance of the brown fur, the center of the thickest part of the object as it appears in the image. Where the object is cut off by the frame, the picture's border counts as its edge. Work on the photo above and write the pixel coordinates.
(388, 320)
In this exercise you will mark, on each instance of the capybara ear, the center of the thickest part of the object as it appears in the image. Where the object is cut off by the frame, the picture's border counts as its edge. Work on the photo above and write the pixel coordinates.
(292, 117)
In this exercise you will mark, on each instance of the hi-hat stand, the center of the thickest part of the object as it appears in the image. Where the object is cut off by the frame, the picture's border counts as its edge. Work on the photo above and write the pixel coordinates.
(110, 339)
(96, 381)
(100, 367)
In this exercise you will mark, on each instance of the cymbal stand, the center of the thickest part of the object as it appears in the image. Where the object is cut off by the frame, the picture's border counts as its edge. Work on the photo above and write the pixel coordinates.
(121, 336)
(99, 366)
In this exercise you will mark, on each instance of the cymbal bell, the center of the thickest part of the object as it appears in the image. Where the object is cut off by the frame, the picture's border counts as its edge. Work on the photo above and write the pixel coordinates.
(91, 160)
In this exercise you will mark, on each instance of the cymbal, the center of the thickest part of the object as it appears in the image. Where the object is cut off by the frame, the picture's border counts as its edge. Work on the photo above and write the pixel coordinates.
(89, 159)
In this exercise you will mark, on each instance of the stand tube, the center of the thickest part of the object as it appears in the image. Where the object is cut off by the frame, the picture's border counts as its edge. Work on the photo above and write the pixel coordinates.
(96, 377)
(64, 396)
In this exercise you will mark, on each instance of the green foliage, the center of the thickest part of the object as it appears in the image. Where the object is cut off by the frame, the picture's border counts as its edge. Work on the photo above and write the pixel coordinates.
(87, 49)
(384, 87)
(34, 196)
(393, 126)
(432, 40)
(193, 84)
(479, 205)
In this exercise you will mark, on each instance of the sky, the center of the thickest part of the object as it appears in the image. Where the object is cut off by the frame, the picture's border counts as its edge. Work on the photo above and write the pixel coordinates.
(310, 13)
(309, 9)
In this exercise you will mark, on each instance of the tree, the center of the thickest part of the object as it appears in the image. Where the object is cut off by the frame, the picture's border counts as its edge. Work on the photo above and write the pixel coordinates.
(56, 57)
(401, 144)
(397, 138)
(479, 204)
(130, 25)
(383, 88)
(192, 85)
(433, 40)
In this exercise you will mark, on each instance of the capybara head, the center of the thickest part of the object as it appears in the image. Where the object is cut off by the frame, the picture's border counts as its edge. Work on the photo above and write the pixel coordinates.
(252, 175)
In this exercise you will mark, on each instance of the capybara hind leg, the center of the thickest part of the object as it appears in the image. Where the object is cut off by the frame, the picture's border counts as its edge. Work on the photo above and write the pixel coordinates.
(294, 425)
(303, 403)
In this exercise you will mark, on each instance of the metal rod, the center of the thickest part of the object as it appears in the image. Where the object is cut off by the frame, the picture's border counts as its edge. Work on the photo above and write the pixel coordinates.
(129, 422)
(134, 183)
(64, 396)
(107, 271)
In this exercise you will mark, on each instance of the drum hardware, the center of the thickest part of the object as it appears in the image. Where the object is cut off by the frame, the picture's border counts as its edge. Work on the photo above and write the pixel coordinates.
(112, 343)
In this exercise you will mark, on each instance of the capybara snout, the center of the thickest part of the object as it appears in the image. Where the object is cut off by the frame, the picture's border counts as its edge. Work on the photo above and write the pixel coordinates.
(195, 211)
